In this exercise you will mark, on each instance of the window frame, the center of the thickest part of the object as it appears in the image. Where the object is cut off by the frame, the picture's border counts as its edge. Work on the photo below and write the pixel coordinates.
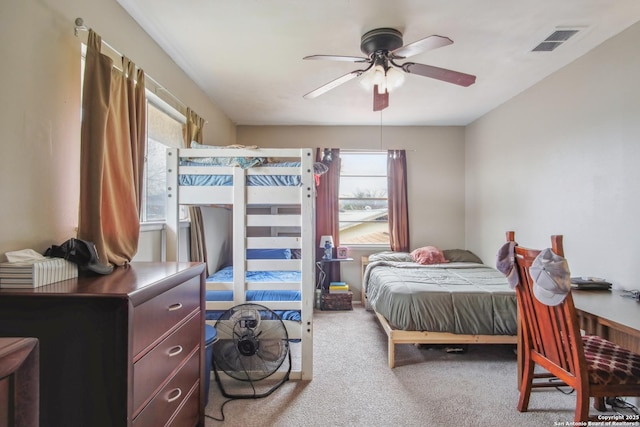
(372, 198)
(162, 99)
(164, 107)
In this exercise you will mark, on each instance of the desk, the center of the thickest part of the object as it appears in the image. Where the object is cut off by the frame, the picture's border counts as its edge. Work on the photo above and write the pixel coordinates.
(322, 275)
(609, 315)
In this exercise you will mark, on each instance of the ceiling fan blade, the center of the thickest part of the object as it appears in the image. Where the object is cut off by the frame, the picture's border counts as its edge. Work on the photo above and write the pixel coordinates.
(422, 45)
(333, 84)
(443, 74)
(338, 58)
(380, 100)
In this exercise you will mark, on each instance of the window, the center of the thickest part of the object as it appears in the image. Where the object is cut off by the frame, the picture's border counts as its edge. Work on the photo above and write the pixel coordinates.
(164, 130)
(363, 198)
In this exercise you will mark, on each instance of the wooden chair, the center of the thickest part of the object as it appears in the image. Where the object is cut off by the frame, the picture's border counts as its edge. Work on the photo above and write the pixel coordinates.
(551, 339)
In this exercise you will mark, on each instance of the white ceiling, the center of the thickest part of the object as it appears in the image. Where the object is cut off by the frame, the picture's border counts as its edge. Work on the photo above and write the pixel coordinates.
(247, 54)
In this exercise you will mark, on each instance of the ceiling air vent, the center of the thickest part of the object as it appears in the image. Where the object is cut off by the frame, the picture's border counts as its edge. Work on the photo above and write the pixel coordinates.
(555, 40)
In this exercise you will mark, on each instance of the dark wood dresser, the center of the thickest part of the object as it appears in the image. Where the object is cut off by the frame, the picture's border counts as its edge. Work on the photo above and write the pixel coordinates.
(19, 382)
(125, 349)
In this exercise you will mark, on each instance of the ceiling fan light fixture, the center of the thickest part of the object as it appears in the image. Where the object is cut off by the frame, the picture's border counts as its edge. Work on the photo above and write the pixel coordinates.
(395, 78)
(366, 80)
(378, 75)
(385, 80)
(375, 76)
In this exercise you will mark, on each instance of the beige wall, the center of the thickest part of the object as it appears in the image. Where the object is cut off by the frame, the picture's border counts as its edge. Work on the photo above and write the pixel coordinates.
(562, 158)
(40, 112)
(435, 163)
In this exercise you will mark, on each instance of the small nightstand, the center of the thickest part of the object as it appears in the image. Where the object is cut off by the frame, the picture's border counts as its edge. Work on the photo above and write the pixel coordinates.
(322, 275)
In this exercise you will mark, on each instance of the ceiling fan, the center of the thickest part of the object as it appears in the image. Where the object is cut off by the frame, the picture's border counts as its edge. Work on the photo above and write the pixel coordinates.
(383, 47)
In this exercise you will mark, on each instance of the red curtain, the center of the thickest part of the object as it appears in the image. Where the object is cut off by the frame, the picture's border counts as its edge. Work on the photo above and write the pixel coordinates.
(327, 208)
(398, 201)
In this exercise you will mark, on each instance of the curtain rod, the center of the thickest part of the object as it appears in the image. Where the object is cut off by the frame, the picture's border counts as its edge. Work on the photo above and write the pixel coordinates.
(373, 150)
(80, 26)
(156, 87)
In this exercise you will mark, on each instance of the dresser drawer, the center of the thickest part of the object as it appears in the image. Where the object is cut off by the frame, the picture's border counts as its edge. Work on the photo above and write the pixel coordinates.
(155, 317)
(183, 387)
(158, 364)
(188, 414)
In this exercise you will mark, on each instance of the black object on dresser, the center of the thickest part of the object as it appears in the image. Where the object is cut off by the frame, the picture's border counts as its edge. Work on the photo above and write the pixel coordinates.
(119, 350)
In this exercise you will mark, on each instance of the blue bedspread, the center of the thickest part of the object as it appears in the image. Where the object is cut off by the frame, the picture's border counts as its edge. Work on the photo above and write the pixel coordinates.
(226, 275)
(252, 180)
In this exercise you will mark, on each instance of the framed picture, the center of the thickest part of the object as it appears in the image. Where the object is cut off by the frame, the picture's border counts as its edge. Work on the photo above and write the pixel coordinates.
(341, 252)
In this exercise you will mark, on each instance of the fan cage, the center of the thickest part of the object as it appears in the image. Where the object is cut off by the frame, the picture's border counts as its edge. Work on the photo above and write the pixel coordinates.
(252, 345)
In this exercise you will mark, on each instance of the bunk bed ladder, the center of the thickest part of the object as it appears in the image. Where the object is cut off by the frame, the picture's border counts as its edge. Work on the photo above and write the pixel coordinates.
(239, 235)
(307, 230)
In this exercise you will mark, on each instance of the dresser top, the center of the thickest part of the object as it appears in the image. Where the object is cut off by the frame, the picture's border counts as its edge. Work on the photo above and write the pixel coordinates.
(133, 281)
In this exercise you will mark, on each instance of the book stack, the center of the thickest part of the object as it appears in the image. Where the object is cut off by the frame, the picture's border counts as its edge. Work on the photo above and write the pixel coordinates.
(338, 288)
(36, 273)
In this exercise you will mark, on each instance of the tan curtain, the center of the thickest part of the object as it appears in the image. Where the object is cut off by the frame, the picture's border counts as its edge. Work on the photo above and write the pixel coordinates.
(112, 151)
(398, 201)
(197, 247)
(327, 209)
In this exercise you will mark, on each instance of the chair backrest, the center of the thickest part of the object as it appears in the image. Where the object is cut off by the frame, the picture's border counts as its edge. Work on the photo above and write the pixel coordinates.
(550, 333)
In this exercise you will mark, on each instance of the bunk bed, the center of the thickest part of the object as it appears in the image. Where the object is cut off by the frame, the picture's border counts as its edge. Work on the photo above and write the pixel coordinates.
(457, 301)
(271, 194)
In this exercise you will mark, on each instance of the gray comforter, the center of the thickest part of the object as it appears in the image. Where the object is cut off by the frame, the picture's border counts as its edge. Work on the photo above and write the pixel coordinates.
(461, 297)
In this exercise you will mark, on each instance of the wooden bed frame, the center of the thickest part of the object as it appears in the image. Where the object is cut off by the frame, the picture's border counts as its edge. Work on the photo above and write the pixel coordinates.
(399, 336)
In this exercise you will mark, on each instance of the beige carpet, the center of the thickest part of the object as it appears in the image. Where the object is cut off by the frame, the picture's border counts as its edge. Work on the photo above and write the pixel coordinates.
(353, 386)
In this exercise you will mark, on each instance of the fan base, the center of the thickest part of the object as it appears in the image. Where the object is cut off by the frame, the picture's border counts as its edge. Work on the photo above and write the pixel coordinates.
(380, 39)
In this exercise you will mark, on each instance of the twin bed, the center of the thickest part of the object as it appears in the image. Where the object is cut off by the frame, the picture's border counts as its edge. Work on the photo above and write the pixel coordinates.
(460, 301)
(271, 196)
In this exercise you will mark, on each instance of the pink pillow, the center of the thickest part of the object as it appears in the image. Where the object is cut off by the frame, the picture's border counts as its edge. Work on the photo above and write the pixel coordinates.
(428, 255)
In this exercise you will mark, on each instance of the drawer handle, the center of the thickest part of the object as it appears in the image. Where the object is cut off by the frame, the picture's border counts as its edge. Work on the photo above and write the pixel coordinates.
(175, 351)
(177, 392)
(174, 307)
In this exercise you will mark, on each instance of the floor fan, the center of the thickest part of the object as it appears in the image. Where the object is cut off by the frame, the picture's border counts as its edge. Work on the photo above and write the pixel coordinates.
(252, 345)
